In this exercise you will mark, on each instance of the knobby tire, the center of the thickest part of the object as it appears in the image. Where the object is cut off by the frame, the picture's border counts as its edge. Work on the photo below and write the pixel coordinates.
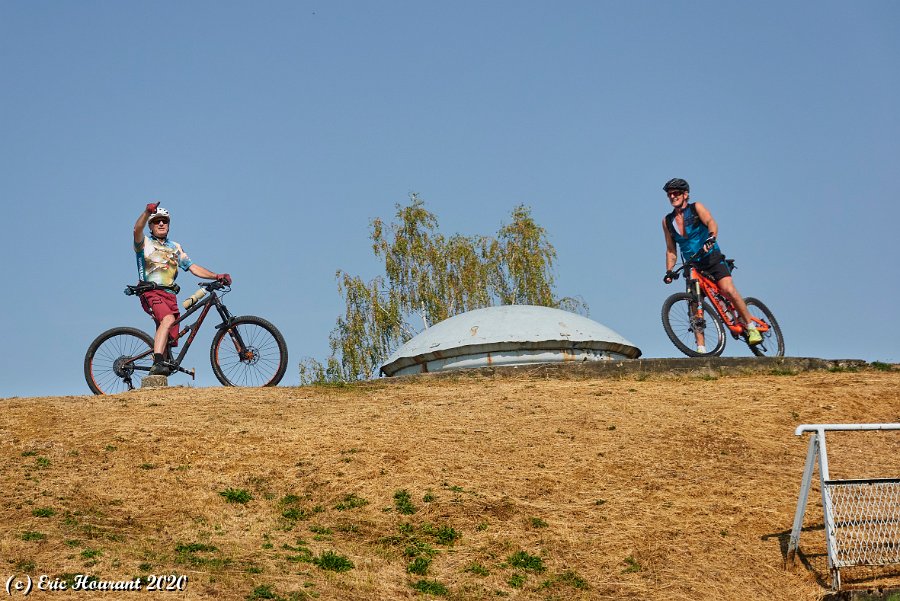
(266, 355)
(113, 347)
(676, 320)
(773, 341)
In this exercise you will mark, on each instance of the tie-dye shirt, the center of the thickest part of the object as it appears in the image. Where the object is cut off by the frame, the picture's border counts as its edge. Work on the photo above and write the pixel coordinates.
(158, 260)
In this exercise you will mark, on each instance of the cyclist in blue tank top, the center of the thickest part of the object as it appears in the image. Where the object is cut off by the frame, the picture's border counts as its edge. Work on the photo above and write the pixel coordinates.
(691, 226)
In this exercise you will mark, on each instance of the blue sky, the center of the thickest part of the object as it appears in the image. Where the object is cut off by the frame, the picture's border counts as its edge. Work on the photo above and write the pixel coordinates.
(275, 131)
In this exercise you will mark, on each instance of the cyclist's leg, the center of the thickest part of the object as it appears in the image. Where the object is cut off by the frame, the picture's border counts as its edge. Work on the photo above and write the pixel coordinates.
(699, 335)
(728, 289)
(718, 269)
(163, 308)
(163, 333)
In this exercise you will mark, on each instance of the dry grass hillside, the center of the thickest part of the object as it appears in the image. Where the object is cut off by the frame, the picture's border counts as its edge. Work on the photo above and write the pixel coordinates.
(659, 487)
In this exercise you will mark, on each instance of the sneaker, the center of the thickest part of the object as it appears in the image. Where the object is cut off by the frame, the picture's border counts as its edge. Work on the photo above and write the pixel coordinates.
(753, 336)
(701, 348)
(160, 369)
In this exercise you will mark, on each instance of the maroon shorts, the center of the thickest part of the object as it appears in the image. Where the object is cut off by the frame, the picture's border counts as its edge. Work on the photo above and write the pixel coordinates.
(158, 304)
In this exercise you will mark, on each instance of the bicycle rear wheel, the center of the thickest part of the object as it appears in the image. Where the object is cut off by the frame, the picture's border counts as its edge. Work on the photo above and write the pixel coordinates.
(682, 326)
(249, 352)
(110, 364)
(773, 342)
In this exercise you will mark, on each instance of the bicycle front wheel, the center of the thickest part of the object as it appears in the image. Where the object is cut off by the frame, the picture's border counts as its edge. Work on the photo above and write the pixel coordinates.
(117, 360)
(249, 352)
(773, 342)
(688, 331)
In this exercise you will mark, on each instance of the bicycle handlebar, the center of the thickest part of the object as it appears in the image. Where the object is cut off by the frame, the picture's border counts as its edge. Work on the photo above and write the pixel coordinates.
(214, 285)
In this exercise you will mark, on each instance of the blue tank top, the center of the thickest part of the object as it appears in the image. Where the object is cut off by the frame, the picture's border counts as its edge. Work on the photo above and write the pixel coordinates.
(695, 233)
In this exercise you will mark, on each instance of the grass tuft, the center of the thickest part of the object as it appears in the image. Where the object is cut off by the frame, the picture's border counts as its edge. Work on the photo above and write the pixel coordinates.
(525, 561)
(431, 587)
(443, 535)
(572, 579)
(632, 565)
(263, 591)
(419, 566)
(403, 503)
(538, 523)
(334, 562)
(477, 569)
(351, 501)
(236, 495)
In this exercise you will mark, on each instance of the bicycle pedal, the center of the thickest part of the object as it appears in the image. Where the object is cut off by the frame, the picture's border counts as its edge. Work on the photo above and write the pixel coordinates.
(193, 373)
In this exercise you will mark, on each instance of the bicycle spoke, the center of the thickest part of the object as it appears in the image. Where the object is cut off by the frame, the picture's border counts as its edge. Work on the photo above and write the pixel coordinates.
(694, 335)
(109, 363)
(251, 356)
(772, 344)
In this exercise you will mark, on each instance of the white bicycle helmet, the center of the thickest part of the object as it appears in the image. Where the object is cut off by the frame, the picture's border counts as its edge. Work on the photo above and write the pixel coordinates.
(159, 212)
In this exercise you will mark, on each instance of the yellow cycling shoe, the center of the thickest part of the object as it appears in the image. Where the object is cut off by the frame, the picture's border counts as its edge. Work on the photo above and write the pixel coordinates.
(753, 336)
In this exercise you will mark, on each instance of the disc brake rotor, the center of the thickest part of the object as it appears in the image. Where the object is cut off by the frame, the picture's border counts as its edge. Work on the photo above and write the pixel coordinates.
(250, 356)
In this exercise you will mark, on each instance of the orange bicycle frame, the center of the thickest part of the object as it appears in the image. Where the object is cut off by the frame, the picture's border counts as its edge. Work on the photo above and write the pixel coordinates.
(723, 306)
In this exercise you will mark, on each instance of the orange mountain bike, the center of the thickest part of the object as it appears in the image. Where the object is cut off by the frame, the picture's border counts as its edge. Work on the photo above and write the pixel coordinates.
(695, 320)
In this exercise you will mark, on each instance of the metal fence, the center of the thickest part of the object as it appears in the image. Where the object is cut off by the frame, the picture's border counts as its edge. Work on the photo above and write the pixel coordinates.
(866, 521)
(862, 517)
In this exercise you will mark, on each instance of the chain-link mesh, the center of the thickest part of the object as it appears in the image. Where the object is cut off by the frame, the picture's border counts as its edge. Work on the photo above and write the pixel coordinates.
(866, 516)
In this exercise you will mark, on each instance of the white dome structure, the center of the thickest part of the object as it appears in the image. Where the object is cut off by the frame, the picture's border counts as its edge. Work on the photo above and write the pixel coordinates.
(508, 335)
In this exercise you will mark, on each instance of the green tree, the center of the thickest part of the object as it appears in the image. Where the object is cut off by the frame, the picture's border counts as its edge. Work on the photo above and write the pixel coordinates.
(428, 278)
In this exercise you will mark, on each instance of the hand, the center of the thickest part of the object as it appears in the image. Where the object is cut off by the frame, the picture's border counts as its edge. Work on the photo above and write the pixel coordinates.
(708, 245)
(670, 277)
(151, 208)
(224, 277)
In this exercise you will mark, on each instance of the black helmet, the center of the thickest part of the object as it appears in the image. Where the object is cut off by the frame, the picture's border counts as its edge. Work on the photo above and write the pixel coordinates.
(677, 184)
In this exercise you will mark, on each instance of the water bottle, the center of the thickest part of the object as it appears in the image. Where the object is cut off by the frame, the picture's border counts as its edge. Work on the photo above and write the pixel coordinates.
(194, 298)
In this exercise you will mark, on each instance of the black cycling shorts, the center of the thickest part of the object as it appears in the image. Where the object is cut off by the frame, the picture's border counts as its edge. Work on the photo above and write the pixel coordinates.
(714, 266)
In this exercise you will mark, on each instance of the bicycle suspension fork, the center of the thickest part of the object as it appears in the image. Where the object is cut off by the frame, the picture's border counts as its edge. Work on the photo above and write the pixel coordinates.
(235, 336)
(698, 322)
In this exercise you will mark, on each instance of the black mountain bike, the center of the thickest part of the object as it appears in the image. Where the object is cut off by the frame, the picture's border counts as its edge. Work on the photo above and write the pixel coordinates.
(246, 350)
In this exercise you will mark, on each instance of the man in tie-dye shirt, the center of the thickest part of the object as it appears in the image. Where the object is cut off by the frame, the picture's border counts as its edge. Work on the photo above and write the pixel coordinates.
(158, 260)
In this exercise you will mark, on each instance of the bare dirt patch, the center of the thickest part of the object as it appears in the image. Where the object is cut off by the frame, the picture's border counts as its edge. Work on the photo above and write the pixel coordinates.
(473, 488)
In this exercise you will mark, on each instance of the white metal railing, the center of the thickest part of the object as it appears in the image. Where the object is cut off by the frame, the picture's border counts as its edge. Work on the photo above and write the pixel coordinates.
(862, 517)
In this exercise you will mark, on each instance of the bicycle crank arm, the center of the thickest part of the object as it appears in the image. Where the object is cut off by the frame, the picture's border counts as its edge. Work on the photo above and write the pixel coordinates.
(191, 372)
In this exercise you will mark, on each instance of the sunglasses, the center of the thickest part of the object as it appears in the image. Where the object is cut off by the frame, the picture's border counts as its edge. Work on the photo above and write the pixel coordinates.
(675, 193)
(160, 221)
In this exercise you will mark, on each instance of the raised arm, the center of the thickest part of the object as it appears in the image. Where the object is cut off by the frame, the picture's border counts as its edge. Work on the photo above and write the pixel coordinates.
(141, 222)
